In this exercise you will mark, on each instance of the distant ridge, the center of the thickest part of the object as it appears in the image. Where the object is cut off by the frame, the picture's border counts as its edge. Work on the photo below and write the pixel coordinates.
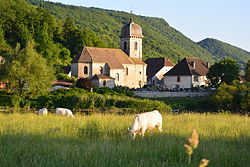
(221, 50)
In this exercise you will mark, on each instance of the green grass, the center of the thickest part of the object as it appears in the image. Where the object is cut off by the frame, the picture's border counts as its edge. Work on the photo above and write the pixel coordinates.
(198, 104)
(102, 140)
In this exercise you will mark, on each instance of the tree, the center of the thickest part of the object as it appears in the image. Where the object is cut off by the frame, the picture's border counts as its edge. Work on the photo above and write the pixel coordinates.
(27, 72)
(248, 71)
(225, 70)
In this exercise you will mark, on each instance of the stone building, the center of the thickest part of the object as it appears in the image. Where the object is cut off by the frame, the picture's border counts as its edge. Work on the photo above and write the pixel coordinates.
(123, 67)
(188, 73)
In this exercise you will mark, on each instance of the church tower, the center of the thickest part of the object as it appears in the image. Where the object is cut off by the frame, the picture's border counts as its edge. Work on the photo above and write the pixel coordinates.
(131, 39)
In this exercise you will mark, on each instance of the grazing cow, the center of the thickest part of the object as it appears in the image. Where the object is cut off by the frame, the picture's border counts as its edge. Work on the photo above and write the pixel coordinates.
(144, 121)
(43, 111)
(64, 111)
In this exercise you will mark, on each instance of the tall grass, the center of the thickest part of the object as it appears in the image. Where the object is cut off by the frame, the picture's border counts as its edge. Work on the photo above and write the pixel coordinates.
(102, 140)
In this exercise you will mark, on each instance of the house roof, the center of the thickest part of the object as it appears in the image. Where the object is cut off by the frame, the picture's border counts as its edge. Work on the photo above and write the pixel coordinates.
(113, 57)
(156, 64)
(66, 69)
(63, 83)
(101, 76)
(189, 66)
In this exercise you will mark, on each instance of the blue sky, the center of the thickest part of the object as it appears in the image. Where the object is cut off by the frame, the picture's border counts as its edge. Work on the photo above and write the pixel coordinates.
(226, 20)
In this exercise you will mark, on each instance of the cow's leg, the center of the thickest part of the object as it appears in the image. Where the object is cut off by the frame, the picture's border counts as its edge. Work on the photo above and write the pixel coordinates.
(159, 126)
(143, 130)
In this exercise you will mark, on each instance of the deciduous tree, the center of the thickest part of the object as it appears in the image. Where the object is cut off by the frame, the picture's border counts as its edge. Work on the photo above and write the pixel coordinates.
(27, 72)
(225, 70)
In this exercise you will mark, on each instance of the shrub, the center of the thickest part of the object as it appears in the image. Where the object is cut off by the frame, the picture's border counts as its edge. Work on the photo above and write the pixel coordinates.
(233, 97)
(65, 77)
(114, 91)
(76, 98)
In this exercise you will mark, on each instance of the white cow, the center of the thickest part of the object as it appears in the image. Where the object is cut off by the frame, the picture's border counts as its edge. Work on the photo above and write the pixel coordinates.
(43, 111)
(146, 121)
(64, 111)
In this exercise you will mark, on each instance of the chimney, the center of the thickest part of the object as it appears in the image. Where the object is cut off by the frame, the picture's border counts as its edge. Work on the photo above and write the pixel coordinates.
(193, 64)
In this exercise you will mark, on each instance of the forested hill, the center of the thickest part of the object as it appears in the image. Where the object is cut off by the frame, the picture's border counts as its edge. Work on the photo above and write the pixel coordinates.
(160, 39)
(221, 49)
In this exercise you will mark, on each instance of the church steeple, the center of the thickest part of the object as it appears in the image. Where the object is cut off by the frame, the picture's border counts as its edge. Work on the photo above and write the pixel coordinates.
(131, 39)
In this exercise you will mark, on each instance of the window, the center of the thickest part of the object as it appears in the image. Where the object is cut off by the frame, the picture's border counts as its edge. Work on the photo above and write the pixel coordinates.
(126, 70)
(125, 45)
(104, 83)
(101, 70)
(117, 76)
(136, 45)
(140, 84)
(140, 72)
(85, 70)
(178, 79)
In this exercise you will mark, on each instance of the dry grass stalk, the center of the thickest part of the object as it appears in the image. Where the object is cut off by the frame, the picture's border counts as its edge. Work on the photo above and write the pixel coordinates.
(204, 163)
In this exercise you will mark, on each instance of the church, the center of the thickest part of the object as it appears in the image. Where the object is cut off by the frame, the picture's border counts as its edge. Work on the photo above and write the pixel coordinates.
(108, 67)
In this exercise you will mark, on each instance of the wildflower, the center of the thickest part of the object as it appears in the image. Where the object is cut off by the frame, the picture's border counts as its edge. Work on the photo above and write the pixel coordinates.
(189, 149)
(203, 163)
(193, 144)
(194, 139)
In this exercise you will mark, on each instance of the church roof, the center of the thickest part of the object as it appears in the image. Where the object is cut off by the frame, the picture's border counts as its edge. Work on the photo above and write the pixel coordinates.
(115, 58)
(189, 66)
(156, 64)
(131, 29)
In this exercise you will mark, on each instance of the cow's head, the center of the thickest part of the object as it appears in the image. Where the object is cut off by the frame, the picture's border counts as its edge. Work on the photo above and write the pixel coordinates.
(132, 133)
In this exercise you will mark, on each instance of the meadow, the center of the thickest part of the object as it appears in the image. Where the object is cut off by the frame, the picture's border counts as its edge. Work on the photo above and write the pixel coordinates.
(102, 140)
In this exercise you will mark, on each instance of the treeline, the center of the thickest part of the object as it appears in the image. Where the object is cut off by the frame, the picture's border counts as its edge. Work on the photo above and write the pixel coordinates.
(56, 40)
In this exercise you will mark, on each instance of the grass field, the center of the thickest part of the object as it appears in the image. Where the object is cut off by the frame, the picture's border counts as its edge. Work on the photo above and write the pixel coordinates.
(102, 140)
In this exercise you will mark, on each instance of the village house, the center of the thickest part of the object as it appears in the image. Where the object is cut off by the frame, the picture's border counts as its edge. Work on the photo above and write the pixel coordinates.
(114, 67)
(188, 73)
(156, 68)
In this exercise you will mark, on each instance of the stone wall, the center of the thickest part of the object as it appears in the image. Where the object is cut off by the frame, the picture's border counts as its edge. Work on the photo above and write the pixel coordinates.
(157, 94)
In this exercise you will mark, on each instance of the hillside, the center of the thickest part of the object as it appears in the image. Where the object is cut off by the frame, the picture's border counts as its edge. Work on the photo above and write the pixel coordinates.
(221, 49)
(160, 39)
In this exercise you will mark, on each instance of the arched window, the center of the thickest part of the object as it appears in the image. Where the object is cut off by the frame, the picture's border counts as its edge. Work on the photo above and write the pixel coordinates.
(117, 77)
(101, 70)
(136, 45)
(85, 70)
(125, 45)
(126, 70)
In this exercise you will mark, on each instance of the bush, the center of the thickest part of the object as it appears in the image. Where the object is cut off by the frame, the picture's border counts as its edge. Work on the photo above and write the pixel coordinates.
(233, 97)
(76, 98)
(114, 91)
(65, 77)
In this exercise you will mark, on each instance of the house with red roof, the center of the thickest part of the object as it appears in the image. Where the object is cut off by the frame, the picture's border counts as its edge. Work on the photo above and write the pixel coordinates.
(188, 73)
